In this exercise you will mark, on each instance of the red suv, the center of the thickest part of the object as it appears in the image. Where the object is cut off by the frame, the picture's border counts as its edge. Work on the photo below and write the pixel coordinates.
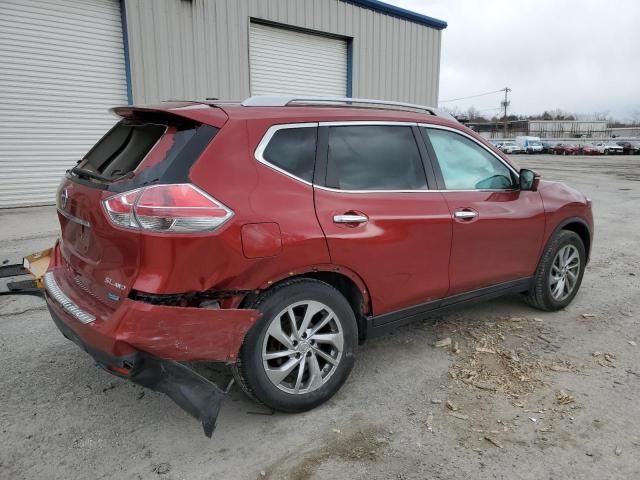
(276, 234)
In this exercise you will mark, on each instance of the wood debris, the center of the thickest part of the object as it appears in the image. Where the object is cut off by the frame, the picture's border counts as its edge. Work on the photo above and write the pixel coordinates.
(485, 350)
(563, 398)
(452, 406)
(493, 441)
(445, 342)
(459, 415)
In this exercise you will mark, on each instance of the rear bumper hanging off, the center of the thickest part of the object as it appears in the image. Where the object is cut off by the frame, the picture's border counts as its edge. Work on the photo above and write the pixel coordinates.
(198, 396)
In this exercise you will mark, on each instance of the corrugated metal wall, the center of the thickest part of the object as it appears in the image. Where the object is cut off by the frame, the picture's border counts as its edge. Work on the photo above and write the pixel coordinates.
(61, 69)
(182, 49)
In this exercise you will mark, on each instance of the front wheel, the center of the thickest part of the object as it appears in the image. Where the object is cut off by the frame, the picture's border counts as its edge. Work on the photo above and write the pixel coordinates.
(301, 350)
(559, 273)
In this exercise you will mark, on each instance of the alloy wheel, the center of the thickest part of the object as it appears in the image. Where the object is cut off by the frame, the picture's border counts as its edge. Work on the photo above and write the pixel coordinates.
(565, 271)
(302, 347)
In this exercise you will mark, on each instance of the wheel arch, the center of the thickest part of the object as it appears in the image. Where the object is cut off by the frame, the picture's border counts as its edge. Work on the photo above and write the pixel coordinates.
(347, 282)
(576, 225)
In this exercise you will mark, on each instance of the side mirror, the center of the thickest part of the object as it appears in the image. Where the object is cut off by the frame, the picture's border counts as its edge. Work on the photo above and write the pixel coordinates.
(529, 180)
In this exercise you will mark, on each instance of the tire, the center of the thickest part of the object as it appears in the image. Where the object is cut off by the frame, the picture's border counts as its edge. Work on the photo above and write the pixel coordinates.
(257, 375)
(542, 294)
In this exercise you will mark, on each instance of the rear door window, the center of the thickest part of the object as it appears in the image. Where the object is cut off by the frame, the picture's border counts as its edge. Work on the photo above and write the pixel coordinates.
(374, 157)
(294, 151)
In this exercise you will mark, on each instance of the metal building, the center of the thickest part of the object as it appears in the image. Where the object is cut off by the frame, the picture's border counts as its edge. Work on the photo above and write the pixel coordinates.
(64, 63)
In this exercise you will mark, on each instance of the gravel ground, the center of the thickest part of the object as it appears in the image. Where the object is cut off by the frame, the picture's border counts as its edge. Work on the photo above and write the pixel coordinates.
(518, 394)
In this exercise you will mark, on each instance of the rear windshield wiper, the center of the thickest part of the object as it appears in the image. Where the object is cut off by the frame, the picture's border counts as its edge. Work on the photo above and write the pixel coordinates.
(96, 176)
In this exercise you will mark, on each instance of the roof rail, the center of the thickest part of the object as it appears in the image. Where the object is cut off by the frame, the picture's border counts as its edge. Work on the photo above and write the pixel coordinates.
(287, 100)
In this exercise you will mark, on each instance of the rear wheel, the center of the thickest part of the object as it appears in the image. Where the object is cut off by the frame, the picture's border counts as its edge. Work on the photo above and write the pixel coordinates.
(301, 350)
(559, 274)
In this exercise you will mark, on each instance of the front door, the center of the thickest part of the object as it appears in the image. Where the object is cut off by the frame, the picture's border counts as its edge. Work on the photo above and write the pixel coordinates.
(379, 218)
(497, 229)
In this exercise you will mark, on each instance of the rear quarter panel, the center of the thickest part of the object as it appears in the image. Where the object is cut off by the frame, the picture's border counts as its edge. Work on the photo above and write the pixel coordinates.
(257, 194)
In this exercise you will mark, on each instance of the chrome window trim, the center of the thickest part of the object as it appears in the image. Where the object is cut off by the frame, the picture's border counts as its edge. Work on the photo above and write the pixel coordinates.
(65, 302)
(264, 143)
(356, 123)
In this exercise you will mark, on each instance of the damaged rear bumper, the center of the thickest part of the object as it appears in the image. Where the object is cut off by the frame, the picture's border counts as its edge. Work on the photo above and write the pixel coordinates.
(195, 394)
(145, 343)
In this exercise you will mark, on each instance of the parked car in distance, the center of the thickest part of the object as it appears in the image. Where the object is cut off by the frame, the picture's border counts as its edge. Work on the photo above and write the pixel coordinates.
(547, 146)
(245, 233)
(608, 148)
(630, 148)
(530, 144)
(509, 146)
(566, 149)
(590, 150)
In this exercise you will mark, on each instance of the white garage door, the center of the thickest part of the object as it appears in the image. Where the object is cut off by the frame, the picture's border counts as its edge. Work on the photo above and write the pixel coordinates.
(61, 69)
(290, 62)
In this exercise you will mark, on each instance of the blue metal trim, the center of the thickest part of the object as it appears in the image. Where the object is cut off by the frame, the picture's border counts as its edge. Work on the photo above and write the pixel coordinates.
(125, 44)
(400, 12)
(350, 67)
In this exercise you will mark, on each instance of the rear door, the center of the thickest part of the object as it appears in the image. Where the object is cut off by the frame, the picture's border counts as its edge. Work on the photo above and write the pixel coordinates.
(100, 258)
(378, 215)
(497, 229)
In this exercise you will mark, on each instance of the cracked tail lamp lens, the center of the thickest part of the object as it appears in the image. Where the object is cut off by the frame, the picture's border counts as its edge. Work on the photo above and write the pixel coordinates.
(167, 208)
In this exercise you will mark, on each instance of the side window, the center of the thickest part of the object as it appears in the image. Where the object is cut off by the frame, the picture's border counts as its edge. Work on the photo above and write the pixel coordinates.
(465, 165)
(294, 151)
(374, 157)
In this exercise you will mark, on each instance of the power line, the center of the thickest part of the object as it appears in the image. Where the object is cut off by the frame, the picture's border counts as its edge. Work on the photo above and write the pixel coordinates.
(471, 96)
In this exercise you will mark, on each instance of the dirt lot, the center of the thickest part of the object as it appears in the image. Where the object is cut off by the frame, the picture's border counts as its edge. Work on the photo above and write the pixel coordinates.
(518, 394)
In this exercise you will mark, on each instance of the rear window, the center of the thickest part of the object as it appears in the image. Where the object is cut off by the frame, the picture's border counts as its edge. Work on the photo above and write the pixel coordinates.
(294, 151)
(140, 152)
(122, 149)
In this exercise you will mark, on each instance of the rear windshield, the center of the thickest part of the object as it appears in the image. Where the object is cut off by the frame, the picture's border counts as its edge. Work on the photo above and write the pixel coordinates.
(122, 149)
(136, 152)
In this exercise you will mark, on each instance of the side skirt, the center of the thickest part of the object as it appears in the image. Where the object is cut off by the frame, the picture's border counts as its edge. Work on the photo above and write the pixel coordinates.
(381, 324)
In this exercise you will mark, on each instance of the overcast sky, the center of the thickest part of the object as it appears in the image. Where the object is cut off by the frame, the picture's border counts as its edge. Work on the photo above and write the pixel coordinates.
(582, 56)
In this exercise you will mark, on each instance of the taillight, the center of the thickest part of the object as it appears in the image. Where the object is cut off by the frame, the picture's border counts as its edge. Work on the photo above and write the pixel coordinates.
(167, 208)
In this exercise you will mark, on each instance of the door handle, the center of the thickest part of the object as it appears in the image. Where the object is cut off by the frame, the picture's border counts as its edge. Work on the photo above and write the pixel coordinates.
(465, 214)
(350, 218)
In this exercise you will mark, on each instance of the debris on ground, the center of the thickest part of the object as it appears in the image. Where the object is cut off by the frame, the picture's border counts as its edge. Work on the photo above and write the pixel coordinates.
(452, 406)
(459, 416)
(605, 359)
(162, 468)
(563, 398)
(618, 450)
(485, 350)
(493, 441)
(588, 315)
(632, 343)
(429, 422)
(559, 368)
(436, 401)
(445, 342)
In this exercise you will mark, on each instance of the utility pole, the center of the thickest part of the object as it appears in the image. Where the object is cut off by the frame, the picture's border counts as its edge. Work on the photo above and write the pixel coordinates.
(505, 104)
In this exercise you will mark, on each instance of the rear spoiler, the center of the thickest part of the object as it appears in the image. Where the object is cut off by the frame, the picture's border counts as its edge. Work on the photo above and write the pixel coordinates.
(191, 111)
